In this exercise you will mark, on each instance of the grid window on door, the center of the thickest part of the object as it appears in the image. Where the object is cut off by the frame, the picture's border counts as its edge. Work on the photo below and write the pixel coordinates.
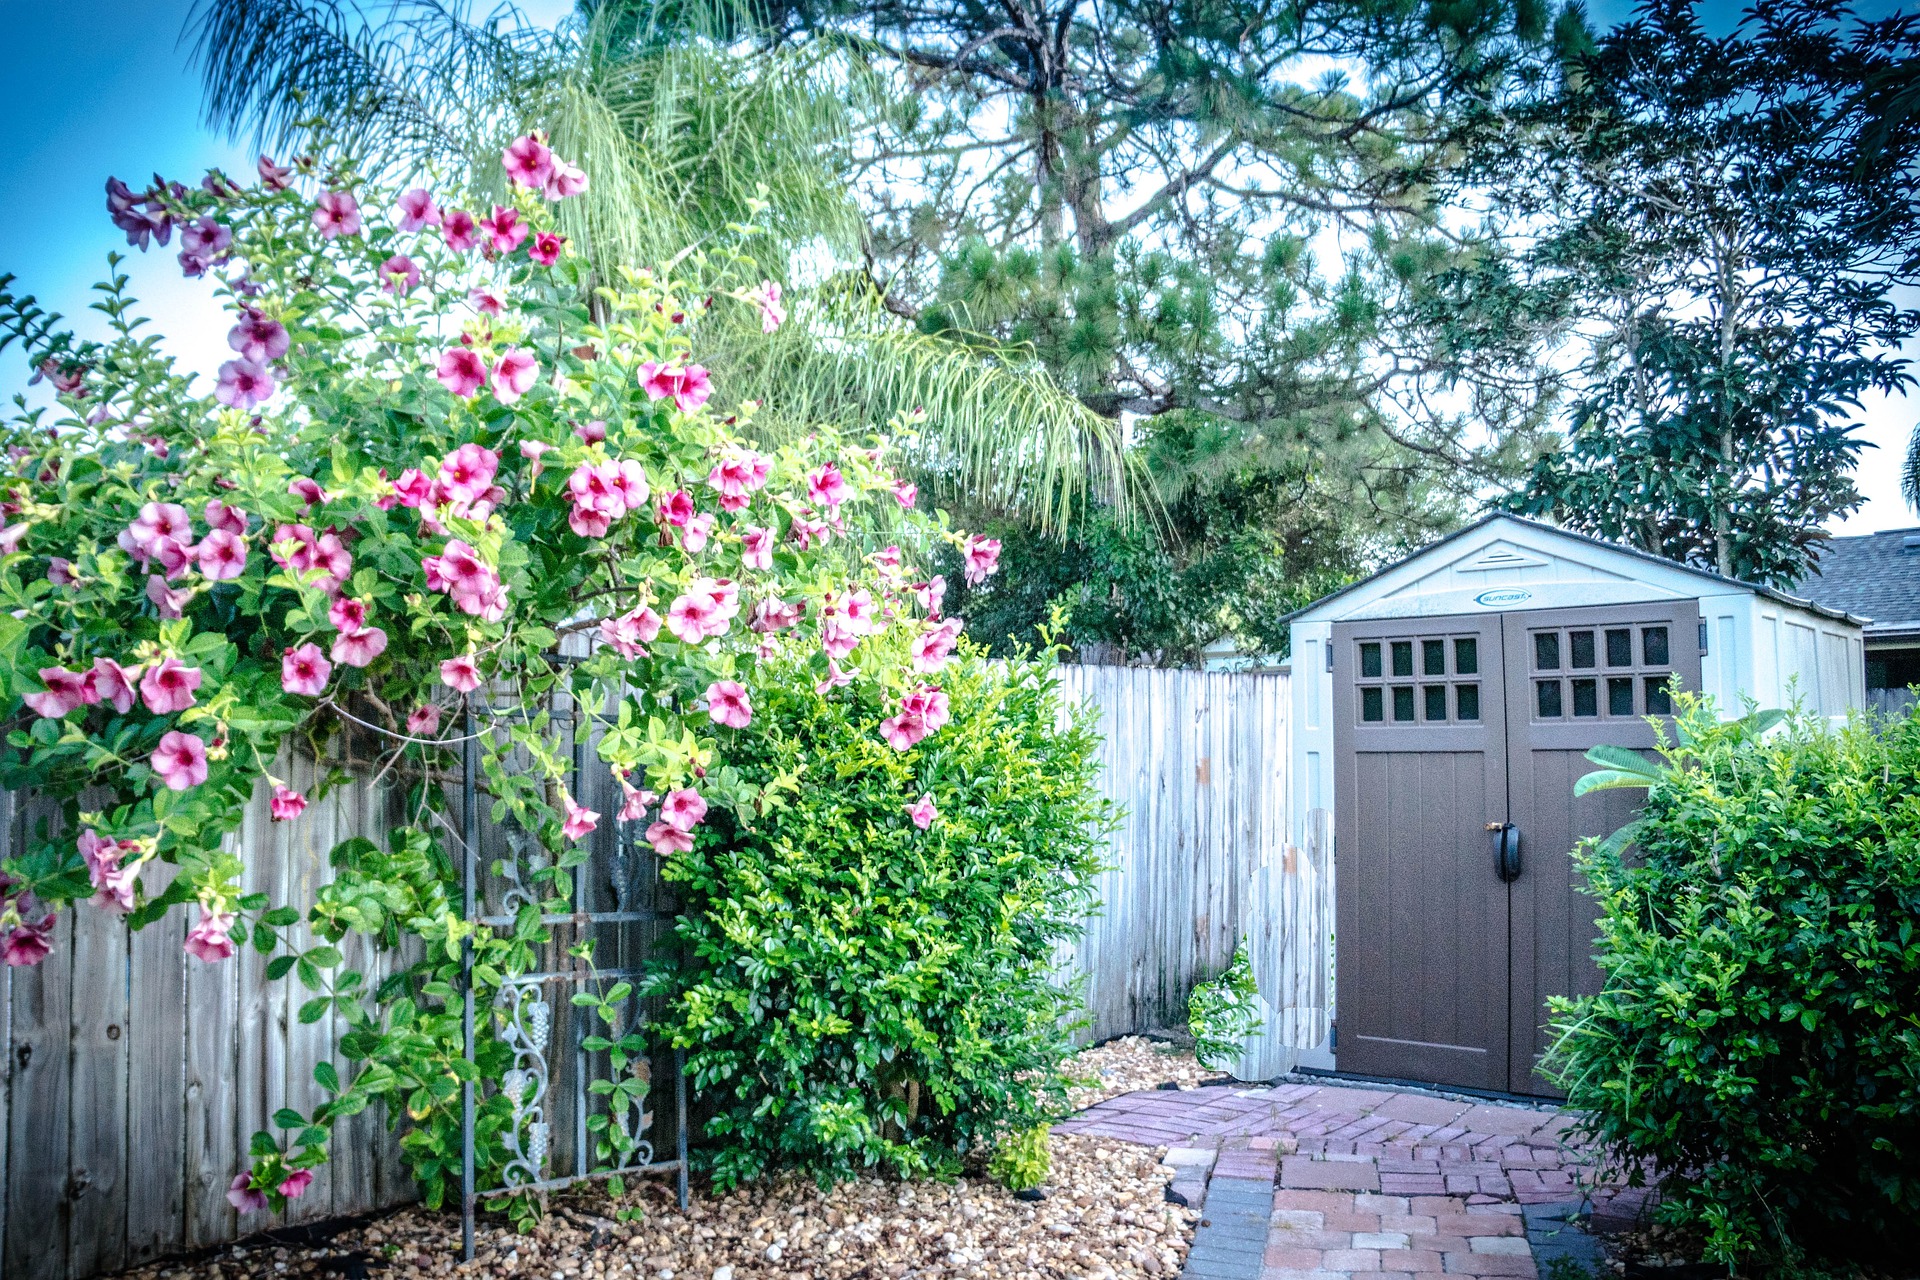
(1602, 672)
(1419, 680)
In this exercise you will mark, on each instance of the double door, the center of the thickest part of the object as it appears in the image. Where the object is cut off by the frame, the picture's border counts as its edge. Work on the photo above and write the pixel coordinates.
(1457, 742)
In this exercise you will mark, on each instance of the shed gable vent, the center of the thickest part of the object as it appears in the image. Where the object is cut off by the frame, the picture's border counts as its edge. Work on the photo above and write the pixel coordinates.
(1500, 556)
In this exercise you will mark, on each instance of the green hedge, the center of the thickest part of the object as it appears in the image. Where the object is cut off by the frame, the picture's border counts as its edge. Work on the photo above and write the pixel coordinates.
(1758, 1036)
(860, 993)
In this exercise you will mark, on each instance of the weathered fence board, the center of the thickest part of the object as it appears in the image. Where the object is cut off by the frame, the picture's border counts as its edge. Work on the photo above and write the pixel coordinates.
(1204, 856)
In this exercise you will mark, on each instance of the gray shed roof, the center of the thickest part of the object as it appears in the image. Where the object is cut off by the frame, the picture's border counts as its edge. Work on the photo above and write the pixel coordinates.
(1876, 576)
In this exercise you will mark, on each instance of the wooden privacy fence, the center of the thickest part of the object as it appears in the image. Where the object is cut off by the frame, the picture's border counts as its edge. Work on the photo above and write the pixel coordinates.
(1206, 854)
(135, 1076)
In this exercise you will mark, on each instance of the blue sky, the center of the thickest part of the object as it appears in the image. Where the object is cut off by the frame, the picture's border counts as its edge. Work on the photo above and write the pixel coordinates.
(90, 88)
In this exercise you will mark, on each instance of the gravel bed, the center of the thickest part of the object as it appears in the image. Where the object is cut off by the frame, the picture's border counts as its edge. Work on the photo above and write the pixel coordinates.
(1129, 1064)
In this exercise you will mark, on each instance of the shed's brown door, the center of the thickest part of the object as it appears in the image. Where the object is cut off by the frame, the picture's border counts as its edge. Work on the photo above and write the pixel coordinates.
(1421, 925)
(1446, 730)
(1576, 678)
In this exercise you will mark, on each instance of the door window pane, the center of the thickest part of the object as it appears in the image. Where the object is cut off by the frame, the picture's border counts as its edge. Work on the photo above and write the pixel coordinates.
(1466, 657)
(1653, 646)
(1436, 696)
(1546, 651)
(1580, 646)
(1547, 696)
(1433, 657)
(1403, 703)
(1659, 701)
(1403, 657)
(1372, 705)
(1620, 696)
(1370, 660)
(1620, 648)
(1586, 697)
(1466, 702)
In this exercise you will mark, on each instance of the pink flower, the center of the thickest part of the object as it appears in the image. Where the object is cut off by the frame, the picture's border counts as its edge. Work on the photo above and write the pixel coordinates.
(335, 562)
(485, 303)
(634, 807)
(258, 339)
(627, 634)
(533, 451)
(683, 809)
(180, 761)
(756, 547)
(461, 674)
(167, 603)
(468, 472)
(694, 537)
(240, 1192)
(686, 384)
(424, 720)
(826, 486)
(727, 704)
(348, 615)
(358, 648)
(66, 691)
(982, 557)
(156, 520)
(504, 228)
(932, 646)
(591, 432)
(929, 704)
(470, 581)
(565, 180)
(808, 533)
(546, 248)
(930, 594)
(337, 214)
(296, 1183)
(412, 488)
(767, 299)
(114, 885)
(287, 804)
(225, 519)
(901, 732)
(112, 684)
(274, 177)
(922, 811)
(705, 610)
(675, 508)
(305, 670)
(243, 384)
(905, 492)
(667, 839)
(579, 821)
(461, 230)
(27, 944)
(528, 161)
(461, 371)
(222, 555)
(415, 209)
(400, 274)
(835, 678)
(169, 686)
(308, 490)
(60, 571)
(513, 374)
(736, 476)
(774, 614)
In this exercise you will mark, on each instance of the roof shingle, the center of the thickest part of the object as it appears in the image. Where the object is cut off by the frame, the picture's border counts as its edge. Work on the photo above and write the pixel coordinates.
(1876, 576)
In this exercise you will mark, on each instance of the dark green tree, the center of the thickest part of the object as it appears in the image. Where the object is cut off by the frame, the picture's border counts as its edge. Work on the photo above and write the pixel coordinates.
(1206, 221)
(1701, 213)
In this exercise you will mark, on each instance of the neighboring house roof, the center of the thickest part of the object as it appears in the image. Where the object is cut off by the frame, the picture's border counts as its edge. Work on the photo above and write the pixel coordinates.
(1876, 576)
(1490, 526)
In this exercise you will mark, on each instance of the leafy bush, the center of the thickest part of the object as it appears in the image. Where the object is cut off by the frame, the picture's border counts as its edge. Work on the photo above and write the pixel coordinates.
(1758, 1037)
(858, 991)
(1021, 1161)
(1221, 1014)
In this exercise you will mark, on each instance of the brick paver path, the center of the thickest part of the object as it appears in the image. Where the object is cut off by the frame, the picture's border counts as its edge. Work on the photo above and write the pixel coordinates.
(1361, 1182)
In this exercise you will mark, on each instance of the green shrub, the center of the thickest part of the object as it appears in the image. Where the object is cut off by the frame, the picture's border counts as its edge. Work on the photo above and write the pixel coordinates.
(1758, 1036)
(1221, 1014)
(1021, 1161)
(857, 992)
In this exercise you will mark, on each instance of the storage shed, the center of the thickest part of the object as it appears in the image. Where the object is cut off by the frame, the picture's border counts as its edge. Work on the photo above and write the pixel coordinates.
(1442, 710)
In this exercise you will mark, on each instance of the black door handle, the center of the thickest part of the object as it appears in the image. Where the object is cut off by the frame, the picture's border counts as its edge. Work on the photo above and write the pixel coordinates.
(1506, 850)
